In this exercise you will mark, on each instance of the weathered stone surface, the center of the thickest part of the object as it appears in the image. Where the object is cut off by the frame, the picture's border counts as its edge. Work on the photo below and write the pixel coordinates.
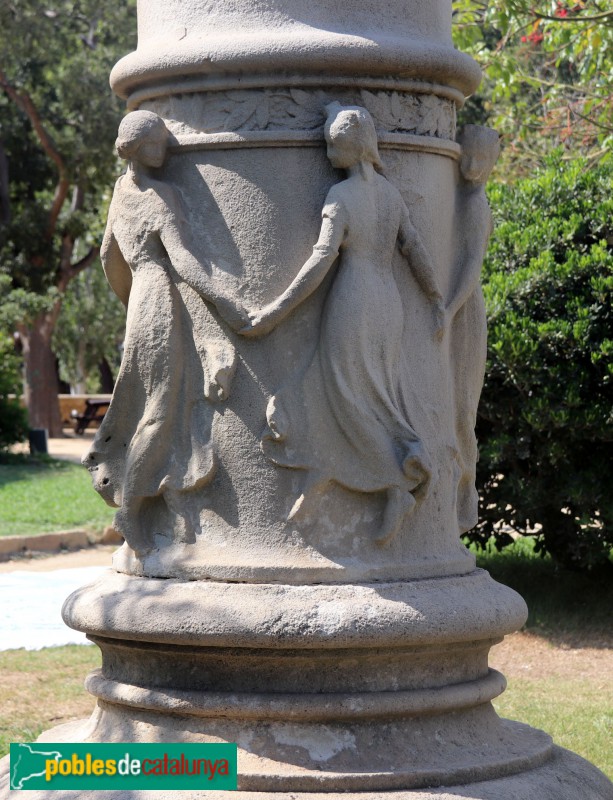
(189, 42)
(565, 776)
(349, 450)
(290, 447)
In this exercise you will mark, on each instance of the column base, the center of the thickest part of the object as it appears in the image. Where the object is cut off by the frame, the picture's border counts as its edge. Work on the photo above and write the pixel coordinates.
(366, 691)
(565, 776)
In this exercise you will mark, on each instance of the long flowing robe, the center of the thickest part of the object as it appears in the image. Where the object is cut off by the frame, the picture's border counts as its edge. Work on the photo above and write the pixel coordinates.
(345, 419)
(155, 438)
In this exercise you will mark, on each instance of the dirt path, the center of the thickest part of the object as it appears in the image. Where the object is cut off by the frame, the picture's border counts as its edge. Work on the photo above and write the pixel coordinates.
(69, 447)
(524, 655)
(42, 562)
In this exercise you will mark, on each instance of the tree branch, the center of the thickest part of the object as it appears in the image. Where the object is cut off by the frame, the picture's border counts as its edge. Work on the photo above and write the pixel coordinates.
(84, 262)
(590, 120)
(580, 90)
(69, 271)
(578, 18)
(5, 203)
(24, 102)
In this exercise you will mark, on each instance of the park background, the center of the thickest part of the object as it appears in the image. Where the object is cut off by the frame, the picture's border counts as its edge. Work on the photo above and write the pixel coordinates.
(545, 418)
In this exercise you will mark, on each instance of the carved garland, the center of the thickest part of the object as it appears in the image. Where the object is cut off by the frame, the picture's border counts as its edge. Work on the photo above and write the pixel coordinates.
(297, 109)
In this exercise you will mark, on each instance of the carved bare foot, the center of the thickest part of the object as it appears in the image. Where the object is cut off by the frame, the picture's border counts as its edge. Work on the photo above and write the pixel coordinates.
(102, 479)
(400, 502)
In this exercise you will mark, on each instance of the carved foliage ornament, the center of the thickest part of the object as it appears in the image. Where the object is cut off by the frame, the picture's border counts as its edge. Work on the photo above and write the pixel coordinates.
(298, 109)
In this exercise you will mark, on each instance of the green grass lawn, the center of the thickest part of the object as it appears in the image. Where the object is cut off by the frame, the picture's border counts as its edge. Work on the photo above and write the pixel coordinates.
(42, 688)
(567, 609)
(44, 494)
(578, 714)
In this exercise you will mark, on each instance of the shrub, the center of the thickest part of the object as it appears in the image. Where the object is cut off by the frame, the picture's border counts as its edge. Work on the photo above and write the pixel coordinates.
(544, 422)
(13, 418)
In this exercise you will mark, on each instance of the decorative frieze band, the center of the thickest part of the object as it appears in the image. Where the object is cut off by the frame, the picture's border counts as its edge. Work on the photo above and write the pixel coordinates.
(231, 141)
(275, 110)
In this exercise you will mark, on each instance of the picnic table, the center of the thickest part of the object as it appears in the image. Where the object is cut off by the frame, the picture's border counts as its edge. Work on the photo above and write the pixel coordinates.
(94, 412)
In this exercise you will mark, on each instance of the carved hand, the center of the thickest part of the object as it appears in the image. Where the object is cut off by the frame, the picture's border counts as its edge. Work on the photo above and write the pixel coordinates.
(232, 312)
(262, 321)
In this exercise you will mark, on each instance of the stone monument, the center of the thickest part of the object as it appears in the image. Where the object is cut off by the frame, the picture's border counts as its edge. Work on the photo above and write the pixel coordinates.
(290, 447)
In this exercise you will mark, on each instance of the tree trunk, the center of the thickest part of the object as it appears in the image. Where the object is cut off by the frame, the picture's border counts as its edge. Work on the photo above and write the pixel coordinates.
(81, 381)
(107, 382)
(41, 383)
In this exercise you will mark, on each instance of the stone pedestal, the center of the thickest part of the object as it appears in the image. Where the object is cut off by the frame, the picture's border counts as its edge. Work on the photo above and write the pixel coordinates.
(290, 444)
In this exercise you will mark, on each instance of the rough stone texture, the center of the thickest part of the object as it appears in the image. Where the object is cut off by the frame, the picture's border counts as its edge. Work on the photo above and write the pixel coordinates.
(565, 776)
(290, 445)
(305, 433)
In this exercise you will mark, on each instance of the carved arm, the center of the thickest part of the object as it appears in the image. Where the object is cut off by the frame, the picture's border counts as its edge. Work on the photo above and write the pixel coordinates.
(314, 270)
(474, 253)
(196, 275)
(413, 249)
(116, 269)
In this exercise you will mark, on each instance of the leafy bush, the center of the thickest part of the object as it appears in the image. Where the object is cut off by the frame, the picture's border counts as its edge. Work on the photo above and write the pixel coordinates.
(544, 423)
(13, 419)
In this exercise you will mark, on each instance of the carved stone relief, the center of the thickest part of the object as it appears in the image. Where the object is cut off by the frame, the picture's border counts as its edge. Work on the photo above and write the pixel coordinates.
(346, 416)
(466, 309)
(299, 109)
(291, 441)
(345, 420)
(156, 438)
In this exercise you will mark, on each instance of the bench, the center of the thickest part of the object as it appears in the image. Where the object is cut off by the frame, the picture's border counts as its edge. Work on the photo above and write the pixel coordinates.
(94, 412)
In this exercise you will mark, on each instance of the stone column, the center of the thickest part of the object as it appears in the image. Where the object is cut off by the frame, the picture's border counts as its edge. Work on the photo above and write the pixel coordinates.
(290, 445)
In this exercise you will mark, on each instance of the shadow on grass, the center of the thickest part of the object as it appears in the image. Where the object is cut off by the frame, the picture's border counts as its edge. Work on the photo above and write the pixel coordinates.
(21, 467)
(569, 609)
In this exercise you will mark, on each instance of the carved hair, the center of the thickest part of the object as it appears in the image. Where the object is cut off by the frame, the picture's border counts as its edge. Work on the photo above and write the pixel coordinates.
(353, 126)
(135, 128)
(481, 141)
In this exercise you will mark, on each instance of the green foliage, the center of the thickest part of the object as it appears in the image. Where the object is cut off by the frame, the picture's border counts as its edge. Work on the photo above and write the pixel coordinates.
(58, 122)
(546, 411)
(20, 304)
(548, 74)
(43, 494)
(565, 606)
(59, 58)
(90, 328)
(13, 419)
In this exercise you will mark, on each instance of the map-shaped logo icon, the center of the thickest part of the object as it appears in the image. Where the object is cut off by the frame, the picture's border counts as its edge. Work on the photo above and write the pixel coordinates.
(28, 762)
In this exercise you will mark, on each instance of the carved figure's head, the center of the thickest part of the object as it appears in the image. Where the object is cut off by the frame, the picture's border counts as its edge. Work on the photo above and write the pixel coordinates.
(351, 136)
(480, 150)
(143, 137)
